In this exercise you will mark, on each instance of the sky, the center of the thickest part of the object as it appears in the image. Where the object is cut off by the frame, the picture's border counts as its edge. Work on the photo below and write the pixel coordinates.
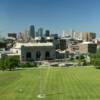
(55, 15)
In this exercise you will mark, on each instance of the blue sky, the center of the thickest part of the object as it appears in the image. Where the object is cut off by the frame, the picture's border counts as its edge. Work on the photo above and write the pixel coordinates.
(56, 15)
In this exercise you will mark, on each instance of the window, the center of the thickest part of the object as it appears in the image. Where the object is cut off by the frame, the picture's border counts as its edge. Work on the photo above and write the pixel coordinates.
(17, 51)
(38, 55)
(47, 54)
(28, 55)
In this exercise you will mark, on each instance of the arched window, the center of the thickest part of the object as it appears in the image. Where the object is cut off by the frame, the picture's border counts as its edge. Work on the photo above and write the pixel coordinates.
(28, 55)
(38, 55)
(47, 54)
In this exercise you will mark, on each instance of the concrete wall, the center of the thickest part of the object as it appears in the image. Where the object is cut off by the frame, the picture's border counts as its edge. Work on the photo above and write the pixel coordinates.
(83, 48)
(33, 50)
(87, 48)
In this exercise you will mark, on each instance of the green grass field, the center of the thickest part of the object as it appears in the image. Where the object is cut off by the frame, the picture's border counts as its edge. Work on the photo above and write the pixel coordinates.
(56, 83)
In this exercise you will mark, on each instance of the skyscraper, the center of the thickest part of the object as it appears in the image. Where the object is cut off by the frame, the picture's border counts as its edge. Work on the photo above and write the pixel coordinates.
(47, 33)
(88, 36)
(32, 31)
(40, 32)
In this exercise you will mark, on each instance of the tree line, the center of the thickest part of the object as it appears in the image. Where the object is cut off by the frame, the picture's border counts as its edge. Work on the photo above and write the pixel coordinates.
(11, 63)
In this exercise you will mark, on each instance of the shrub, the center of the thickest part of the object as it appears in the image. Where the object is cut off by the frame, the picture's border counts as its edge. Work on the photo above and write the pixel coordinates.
(2, 65)
(9, 63)
(77, 57)
(28, 65)
(95, 60)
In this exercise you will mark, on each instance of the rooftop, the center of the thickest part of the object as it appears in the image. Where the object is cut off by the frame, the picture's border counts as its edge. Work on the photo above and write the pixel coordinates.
(87, 43)
(18, 45)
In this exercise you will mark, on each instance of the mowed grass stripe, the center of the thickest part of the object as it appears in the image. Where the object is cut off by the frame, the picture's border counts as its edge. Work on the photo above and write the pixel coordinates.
(19, 89)
(5, 90)
(68, 84)
(28, 86)
(87, 85)
(57, 84)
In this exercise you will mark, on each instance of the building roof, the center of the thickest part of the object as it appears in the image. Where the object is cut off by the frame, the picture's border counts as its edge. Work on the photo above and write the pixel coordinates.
(13, 54)
(48, 38)
(37, 38)
(19, 45)
(10, 38)
(88, 43)
(61, 52)
(2, 40)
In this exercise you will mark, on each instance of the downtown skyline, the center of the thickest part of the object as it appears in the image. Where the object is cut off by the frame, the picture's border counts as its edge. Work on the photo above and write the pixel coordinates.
(79, 15)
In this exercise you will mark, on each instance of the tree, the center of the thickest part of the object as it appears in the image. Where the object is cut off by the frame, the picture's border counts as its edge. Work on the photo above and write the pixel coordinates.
(28, 65)
(9, 63)
(82, 60)
(2, 64)
(81, 57)
(95, 59)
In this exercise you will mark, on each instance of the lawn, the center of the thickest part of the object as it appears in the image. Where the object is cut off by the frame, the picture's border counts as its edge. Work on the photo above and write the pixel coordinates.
(56, 84)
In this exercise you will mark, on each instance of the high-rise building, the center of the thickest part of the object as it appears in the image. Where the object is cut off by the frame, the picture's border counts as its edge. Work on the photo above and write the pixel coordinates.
(63, 44)
(72, 34)
(88, 36)
(47, 33)
(55, 36)
(20, 35)
(85, 36)
(32, 31)
(14, 35)
(36, 34)
(40, 32)
(77, 36)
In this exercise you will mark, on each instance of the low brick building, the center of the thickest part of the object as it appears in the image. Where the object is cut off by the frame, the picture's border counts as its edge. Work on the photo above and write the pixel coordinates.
(87, 47)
